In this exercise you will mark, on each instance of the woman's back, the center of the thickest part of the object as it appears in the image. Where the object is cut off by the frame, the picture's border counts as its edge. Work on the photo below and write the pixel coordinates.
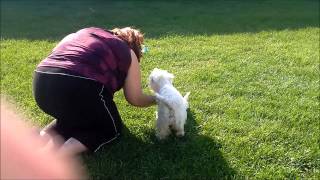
(93, 53)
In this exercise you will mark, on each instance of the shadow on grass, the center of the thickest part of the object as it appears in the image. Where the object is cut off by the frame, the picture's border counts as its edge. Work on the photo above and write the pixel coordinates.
(191, 157)
(51, 20)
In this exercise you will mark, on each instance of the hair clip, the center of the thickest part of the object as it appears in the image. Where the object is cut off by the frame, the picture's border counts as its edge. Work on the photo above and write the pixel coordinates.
(144, 49)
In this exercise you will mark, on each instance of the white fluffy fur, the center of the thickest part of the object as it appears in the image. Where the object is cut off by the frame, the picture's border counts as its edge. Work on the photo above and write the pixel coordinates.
(172, 107)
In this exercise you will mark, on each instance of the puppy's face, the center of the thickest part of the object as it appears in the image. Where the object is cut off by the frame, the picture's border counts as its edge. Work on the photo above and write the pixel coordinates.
(158, 78)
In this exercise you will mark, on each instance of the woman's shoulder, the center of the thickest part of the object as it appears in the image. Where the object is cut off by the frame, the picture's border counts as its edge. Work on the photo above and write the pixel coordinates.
(116, 45)
(98, 30)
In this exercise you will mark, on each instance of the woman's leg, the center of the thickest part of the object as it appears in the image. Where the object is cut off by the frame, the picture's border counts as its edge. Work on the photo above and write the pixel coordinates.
(51, 142)
(49, 137)
(44, 132)
(89, 115)
(72, 147)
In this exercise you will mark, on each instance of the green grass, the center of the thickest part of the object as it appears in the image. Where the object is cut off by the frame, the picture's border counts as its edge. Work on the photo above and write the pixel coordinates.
(252, 68)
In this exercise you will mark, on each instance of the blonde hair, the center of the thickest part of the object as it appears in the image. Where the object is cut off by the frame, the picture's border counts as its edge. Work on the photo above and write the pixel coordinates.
(133, 37)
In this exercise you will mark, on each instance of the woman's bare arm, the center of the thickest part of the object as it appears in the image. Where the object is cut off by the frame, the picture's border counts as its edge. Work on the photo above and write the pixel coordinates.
(132, 87)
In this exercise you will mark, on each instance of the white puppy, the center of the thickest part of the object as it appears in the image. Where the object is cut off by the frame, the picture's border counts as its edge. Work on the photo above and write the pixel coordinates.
(172, 107)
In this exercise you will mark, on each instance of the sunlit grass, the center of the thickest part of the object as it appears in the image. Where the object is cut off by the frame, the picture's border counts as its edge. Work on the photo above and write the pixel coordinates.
(254, 103)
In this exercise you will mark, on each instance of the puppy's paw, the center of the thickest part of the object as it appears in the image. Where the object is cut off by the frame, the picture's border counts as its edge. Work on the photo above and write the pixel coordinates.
(180, 133)
(159, 98)
(162, 135)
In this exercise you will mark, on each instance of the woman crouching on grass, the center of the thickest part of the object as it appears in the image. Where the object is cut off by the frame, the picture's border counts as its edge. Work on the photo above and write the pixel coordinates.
(75, 84)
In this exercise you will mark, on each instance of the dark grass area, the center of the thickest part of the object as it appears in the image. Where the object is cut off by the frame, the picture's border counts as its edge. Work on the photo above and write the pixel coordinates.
(35, 19)
(194, 156)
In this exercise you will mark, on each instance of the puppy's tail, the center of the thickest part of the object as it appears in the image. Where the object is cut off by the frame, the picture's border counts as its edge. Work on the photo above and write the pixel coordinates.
(186, 97)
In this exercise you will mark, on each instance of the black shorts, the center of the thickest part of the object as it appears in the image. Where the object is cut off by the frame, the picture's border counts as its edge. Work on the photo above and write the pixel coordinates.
(82, 107)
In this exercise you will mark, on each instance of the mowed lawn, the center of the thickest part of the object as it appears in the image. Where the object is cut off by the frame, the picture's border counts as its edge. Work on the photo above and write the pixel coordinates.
(252, 68)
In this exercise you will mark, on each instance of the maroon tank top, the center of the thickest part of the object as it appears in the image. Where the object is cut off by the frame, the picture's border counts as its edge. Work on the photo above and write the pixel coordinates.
(93, 53)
